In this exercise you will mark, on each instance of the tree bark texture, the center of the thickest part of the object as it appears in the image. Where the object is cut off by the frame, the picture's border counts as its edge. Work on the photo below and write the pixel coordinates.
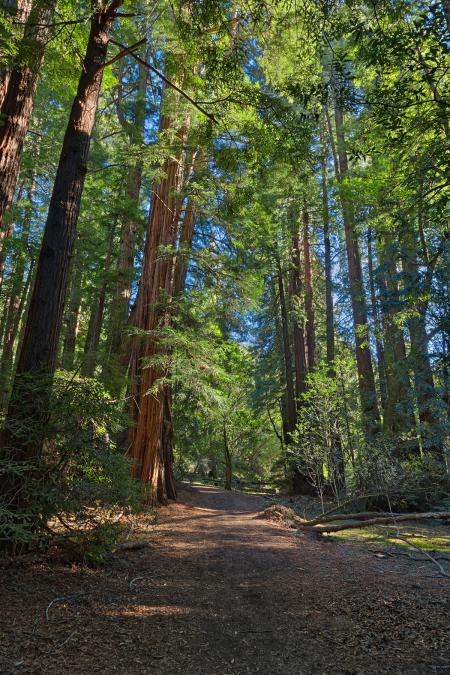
(149, 444)
(16, 100)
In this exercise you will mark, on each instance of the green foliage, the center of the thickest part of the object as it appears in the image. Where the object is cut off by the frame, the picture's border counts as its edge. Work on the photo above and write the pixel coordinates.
(79, 471)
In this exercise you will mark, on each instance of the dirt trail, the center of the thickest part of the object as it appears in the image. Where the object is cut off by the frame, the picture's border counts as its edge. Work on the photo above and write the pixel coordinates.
(225, 592)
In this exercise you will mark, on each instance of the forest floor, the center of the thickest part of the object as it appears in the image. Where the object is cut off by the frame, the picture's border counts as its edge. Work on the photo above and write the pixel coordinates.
(223, 591)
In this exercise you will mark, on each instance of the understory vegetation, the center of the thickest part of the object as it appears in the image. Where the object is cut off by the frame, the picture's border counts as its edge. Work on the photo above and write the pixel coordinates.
(224, 256)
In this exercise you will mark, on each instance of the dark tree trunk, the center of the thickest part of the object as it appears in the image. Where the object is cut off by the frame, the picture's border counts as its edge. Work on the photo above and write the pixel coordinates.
(298, 325)
(17, 104)
(291, 409)
(328, 273)
(415, 288)
(366, 380)
(398, 413)
(93, 340)
(228, 460)
(38, 352)
(309, 304)
(72, 318)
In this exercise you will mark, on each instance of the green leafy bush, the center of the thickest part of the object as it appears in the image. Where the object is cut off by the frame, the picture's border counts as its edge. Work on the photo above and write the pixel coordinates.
(79, 472)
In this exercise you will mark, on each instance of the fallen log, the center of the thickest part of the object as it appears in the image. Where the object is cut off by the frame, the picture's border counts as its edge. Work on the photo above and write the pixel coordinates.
(362, 497)
(362, 515)
(382, 519)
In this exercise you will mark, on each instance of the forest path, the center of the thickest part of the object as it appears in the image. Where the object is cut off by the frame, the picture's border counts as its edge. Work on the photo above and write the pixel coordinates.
(222, 591)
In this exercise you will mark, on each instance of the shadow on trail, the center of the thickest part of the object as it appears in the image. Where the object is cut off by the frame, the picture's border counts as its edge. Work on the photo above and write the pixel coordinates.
(223, 592)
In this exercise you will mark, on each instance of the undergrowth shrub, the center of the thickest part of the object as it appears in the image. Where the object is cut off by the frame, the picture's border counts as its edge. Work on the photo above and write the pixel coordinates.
(72, 490)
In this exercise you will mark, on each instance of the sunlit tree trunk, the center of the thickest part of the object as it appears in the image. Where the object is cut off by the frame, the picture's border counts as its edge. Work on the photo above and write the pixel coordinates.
(378, 330)
(149, 408)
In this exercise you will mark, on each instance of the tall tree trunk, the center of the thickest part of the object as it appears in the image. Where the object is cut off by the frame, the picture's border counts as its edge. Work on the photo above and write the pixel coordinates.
(298, 324)
(416, 289)
(17, 104)
(376, 321)
(93, 341)
(38, 352)
(16, 300)
(148, 405)
(291, 410)
(309, 305)
(366, 380)
(331, 352)
(337, 456)
(398, 413)
(228, 461)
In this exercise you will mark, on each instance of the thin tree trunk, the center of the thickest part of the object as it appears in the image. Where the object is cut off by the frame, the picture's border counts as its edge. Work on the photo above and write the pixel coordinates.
(366, 380)
(309, 306)
(38, 352)
(8, 233)
(337, 456)
(14, 307)
(331, 354)
(298, 325)
(92, 344)
(73, 318)
(291, 419)
(228, 461)
(17, 104)
(376, 321)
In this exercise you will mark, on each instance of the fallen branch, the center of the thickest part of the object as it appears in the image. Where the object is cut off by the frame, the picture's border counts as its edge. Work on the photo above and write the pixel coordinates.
(363, 515)
(60, 598)
(428, 555)
(382, 519)
(357, 498)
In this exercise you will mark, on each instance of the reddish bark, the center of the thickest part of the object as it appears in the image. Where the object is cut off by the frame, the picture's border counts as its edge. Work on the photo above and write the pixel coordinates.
(149, 443)
(17, 104)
